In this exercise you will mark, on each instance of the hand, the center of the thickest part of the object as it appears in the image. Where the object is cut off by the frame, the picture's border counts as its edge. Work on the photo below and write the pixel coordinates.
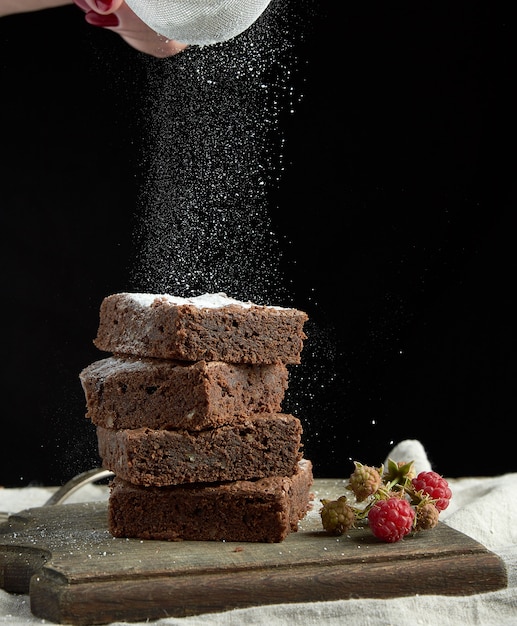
(116, 16)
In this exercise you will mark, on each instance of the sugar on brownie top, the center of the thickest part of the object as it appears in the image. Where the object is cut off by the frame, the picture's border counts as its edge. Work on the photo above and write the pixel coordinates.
(211, 327)
(204, 301)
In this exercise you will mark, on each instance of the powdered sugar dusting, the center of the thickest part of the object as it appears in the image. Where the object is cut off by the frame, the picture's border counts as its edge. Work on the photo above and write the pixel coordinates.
(106, 367)
(203, 301)
(212, 155)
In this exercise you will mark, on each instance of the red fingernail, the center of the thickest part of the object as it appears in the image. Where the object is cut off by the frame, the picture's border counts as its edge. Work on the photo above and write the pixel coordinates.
(104, 21)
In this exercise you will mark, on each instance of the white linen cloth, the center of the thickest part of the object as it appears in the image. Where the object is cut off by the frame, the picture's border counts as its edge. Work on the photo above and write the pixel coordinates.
(485, 508)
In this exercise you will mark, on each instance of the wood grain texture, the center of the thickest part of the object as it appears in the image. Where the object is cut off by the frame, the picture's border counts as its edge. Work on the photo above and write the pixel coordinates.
(77, 573)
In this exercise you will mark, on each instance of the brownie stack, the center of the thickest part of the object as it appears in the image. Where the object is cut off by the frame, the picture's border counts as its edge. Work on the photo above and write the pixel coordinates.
(188, 415)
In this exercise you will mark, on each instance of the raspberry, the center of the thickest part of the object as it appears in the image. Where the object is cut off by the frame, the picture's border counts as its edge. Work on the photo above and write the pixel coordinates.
(337, 516)
(391, 519)
(435, 486)
(426, 516)
(364, 481)
(394, 501)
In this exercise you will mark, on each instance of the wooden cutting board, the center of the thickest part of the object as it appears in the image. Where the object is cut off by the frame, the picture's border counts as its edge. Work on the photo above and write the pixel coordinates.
(76, 573)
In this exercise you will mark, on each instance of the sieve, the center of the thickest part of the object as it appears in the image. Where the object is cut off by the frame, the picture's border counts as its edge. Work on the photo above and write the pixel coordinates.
(198, 22)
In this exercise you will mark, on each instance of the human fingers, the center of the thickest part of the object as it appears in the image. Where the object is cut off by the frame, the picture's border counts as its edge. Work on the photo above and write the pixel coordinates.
(119, 18)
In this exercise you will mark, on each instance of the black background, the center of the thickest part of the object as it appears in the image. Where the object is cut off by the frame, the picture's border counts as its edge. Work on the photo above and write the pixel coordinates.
(394, 207)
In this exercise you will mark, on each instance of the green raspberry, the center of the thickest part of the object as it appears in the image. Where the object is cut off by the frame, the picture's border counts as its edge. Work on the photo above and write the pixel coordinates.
(364, 481)
(337, 516)
(426, 516)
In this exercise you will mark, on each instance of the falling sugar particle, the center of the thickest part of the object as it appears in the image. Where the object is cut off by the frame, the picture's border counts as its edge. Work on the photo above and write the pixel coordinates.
(212, 154)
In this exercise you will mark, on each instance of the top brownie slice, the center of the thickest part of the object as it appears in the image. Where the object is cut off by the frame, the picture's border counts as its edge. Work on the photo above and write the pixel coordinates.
(210, 327)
